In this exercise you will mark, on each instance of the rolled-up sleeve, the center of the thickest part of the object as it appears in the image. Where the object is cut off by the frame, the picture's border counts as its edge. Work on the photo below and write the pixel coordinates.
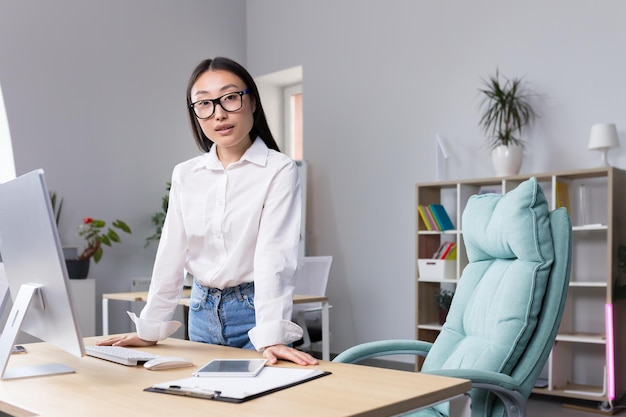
(166, 284)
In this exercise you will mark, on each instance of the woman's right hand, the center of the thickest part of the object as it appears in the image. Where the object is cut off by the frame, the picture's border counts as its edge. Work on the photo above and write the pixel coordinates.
(131, 339)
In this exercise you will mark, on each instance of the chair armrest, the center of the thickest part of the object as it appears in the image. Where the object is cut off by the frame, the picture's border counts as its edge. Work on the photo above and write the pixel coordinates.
(478, 376)
(368, 350)
(504, 386)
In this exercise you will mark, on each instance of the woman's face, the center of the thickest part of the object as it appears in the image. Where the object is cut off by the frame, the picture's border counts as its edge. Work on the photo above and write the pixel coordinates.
(226, 129)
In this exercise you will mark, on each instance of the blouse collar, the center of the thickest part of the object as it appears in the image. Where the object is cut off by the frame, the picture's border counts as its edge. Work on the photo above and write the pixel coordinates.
(256, 153)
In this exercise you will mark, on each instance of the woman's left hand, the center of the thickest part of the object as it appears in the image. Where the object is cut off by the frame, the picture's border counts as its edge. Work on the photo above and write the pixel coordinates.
(276, 352)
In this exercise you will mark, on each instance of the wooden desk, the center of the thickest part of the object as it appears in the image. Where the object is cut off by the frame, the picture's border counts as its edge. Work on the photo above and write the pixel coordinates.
(101, 388)
(297, 299)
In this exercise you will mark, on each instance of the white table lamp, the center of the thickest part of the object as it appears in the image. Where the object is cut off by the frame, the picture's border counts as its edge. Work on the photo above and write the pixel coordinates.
(603, 137)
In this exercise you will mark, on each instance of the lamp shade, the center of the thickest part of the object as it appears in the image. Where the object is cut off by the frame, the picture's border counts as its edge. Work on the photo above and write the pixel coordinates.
(603, 136)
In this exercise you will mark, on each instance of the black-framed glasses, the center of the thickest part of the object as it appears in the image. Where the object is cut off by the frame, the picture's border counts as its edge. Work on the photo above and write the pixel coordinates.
(230, 102)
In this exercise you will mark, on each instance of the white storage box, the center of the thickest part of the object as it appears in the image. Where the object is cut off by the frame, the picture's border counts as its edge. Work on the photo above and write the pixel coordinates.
(436, 269)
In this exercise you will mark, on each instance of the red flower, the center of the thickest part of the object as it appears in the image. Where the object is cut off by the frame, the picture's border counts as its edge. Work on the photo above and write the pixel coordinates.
(87, 220)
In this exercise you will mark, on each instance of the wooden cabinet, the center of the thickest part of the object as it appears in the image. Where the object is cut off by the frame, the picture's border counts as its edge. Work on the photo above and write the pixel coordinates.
(587, 360)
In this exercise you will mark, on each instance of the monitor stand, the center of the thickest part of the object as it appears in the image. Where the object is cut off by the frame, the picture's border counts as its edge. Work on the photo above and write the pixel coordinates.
(29, 296)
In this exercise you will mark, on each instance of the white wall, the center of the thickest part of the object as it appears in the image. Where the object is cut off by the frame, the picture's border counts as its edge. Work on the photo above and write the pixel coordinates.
(95, 95)
(382, 78)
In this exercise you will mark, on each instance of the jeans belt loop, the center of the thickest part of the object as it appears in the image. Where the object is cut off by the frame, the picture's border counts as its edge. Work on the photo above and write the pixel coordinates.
(238, 292)
(205, 290)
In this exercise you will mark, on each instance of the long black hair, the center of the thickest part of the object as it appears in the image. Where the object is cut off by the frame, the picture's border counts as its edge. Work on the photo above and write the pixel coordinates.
(260, 127)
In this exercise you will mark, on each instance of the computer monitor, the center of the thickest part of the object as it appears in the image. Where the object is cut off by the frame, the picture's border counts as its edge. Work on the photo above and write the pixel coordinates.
(36, 273)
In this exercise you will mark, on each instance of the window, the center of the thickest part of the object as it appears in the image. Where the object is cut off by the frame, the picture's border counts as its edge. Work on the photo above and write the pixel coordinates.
(7, 164)
(281, 93)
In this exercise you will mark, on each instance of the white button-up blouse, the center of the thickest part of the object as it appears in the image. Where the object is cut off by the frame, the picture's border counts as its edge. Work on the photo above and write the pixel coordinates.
(229, 226)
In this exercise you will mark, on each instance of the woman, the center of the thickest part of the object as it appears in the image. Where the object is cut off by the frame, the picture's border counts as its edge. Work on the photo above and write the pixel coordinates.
(233, 223)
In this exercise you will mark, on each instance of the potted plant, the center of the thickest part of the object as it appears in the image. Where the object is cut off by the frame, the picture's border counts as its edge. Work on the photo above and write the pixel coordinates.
(96, 234)
(444, 300)
(506, 111)
(158, 218)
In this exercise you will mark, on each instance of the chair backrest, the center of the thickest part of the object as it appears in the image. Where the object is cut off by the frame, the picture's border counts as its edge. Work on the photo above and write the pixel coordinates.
(510, 297)
(311, 278)
(531, 363)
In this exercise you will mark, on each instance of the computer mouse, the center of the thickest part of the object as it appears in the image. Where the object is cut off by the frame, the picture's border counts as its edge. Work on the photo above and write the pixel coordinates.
(166, 362)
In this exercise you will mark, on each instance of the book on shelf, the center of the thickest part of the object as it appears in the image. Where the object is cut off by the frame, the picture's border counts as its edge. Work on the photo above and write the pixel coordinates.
(447, 250)
(440, 250)
(451, 255)
(429, 209)
(422, 211)
(431, 218)
(562, 195)
(441, 216)
(428, 217)
(435, 217)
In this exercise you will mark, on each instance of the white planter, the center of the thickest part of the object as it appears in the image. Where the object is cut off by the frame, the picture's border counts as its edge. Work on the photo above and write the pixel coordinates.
(507, 160)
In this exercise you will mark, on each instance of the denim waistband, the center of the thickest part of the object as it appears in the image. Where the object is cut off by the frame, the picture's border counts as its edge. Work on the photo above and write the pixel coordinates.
(239, 292)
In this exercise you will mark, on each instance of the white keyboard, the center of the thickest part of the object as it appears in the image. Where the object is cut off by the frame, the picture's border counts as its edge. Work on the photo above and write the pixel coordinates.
(118, 354)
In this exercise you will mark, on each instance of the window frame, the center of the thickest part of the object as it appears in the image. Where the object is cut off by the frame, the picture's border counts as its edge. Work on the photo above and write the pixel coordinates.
(289, 139)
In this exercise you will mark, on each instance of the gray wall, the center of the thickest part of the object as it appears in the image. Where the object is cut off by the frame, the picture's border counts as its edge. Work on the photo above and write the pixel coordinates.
(381, 79)
(94, 92)
(95, 95)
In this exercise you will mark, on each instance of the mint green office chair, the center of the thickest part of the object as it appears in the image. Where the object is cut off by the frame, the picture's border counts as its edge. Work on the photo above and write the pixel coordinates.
(508, 303)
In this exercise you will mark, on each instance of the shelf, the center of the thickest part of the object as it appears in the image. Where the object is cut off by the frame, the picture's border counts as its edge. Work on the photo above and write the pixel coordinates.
(590, 228)
(439, 232)
(585, 392)
(439, 280)
(430, 326)
(596, 204)
(581, 338)
(588, 284)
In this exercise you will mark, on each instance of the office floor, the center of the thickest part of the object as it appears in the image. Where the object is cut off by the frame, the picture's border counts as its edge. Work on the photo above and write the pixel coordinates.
(538, 405)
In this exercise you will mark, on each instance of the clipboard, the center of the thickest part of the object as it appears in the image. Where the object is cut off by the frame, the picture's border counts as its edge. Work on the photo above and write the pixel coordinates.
(238, 390)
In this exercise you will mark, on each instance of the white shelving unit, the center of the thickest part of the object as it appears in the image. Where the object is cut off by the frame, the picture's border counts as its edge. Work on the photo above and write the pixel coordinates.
(581, 361)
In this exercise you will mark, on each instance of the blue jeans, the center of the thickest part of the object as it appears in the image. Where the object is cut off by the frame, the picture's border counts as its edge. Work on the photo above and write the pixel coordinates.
(222, 317)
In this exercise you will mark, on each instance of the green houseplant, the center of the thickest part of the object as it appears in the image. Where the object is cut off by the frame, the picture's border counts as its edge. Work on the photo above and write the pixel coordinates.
(94, 232)
(506, 110)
